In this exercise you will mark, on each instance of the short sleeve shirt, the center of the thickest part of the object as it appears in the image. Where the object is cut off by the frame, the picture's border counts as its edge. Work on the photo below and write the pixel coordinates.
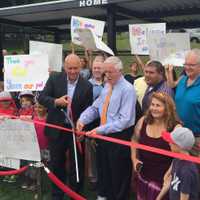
(185, 179)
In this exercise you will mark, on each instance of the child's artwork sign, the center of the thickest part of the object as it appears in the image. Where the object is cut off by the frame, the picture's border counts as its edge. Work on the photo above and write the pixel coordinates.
(169, 48)
(138, 36)
(96, 26)
(25, 72)
(18, 140)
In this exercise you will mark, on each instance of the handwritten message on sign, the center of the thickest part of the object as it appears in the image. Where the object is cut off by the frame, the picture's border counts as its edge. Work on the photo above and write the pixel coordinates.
(25, 72)
(18, 140)
(10, 163)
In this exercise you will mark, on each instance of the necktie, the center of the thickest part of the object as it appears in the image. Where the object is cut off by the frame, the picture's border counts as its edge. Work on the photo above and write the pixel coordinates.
(105, 106)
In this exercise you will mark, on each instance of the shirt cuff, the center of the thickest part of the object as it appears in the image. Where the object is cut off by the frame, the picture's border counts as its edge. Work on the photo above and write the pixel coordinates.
(100, 130)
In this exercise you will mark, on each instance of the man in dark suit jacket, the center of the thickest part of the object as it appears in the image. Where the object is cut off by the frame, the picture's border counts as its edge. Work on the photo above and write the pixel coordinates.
(62, 89)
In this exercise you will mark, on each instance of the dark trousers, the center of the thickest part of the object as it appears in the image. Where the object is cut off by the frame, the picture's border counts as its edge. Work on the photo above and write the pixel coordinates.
(114, 172)
(58, 148)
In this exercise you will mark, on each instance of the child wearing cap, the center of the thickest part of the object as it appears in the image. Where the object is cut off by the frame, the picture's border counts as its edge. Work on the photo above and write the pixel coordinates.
(26, 102)
(183, 180)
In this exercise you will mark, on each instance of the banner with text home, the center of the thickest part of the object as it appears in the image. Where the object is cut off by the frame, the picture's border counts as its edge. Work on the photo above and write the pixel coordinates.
(25, 72)
(96, 26)
(138, 36)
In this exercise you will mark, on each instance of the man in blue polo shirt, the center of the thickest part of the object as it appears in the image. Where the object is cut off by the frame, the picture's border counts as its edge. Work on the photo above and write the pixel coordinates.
(187, 96)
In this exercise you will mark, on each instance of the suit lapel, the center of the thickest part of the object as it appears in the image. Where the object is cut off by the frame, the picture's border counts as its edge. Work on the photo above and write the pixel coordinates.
(63, 85)
(77, 91)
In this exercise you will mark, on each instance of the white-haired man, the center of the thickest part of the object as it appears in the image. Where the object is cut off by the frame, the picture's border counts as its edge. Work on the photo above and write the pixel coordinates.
(116, 109)
(187, 96)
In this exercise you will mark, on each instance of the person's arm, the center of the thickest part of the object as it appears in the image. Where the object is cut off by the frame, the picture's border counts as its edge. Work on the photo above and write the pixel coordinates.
(169, 75)
(140, 62)
(135, 138)
(72, 48)
(184, 196)
(88, 55)
(165, 188)
(89, 115)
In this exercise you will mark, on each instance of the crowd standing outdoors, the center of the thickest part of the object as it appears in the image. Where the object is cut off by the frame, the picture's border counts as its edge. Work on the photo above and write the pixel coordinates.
(94, 96)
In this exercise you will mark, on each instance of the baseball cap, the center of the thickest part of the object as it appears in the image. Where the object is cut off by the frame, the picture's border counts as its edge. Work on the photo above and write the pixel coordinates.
(26, 93)
(5, 95)
(181, 136)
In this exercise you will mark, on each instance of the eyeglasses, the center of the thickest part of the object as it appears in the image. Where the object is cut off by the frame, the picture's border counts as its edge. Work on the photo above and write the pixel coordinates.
(191, 65)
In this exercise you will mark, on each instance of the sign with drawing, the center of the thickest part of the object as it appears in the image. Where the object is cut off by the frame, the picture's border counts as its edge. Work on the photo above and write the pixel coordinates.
(138, 36)
(25, 72)
(96, 26)
(169, 48)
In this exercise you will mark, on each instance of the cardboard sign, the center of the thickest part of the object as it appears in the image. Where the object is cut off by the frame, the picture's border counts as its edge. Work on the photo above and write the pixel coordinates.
(91, 42)
(170, 48)
(10, 163)
(138, 36)
(18, 140)
(96, 26)
(54, 52)
(25, 72)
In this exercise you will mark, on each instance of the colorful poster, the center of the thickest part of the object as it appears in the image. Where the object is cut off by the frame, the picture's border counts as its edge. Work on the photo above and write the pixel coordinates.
(91, 42)
(54, 52)
(170, 48)
(25, 72)
(96, 26)
(18, 140)
(138, 36)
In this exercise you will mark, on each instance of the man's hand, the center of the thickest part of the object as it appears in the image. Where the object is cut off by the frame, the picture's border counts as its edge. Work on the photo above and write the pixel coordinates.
(94, 131)
(79, 126)
(62, 101)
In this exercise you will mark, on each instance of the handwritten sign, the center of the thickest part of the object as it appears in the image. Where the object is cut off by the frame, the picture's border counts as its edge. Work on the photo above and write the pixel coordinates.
(54, 52)
(170, 48)
(138, 36)
(91, 42)
(96, 26)
(25, 72)
(10, 163)
(18, 140)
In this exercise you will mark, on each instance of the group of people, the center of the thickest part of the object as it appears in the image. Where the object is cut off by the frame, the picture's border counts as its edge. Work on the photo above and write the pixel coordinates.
(23, 105)
(155, 110)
